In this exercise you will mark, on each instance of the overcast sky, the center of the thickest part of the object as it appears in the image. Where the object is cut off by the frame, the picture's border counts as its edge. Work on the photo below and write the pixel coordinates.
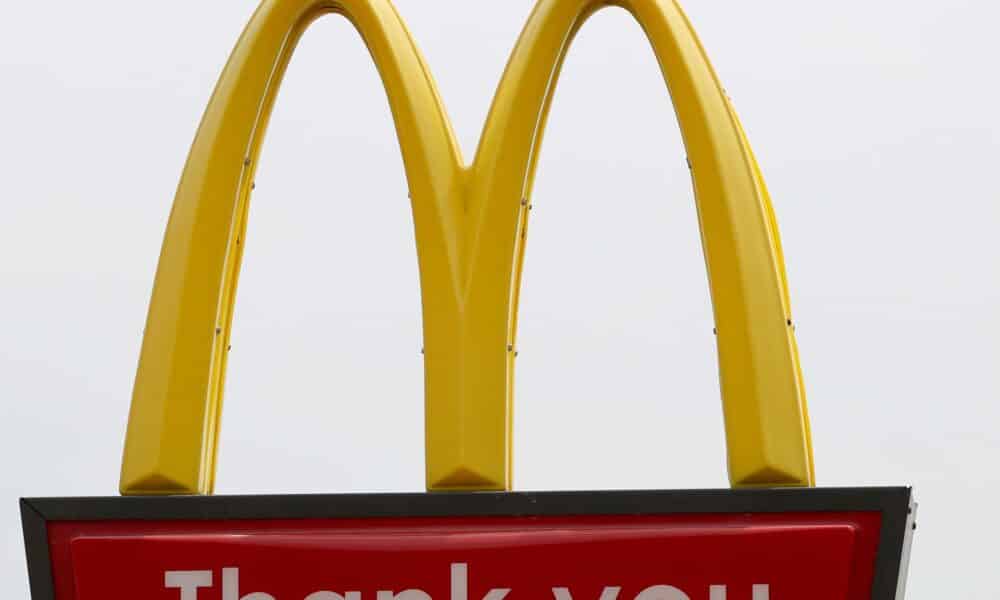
(876, 126)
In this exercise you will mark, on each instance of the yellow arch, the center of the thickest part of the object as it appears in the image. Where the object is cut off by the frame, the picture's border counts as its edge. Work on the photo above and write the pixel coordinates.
(170, 446)
(763, 397)
(469, 223)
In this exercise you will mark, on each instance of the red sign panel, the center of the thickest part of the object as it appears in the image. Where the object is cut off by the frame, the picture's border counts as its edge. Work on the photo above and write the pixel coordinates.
(617, 546)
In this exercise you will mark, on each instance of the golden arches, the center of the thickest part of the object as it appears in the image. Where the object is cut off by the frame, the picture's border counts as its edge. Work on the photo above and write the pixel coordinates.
(468, 228)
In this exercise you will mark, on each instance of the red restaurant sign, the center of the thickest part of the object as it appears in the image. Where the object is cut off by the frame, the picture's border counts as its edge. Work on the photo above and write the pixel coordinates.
(801, 544)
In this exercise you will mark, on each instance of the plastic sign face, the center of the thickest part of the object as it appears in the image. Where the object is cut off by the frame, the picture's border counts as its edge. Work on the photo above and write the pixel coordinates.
(759, 545)
(470, 221)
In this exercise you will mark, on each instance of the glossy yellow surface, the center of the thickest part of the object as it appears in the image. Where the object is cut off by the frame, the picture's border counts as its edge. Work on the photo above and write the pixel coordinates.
(470, 226)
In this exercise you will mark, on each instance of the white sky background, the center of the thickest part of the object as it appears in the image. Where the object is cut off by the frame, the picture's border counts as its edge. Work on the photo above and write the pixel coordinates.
(876, 126)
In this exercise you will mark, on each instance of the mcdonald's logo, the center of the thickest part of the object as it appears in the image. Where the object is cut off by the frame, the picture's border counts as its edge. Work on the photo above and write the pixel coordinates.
(764, 544)
(470, 221)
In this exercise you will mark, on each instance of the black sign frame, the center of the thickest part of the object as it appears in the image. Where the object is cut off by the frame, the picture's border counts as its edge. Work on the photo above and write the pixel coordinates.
(895, 504)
